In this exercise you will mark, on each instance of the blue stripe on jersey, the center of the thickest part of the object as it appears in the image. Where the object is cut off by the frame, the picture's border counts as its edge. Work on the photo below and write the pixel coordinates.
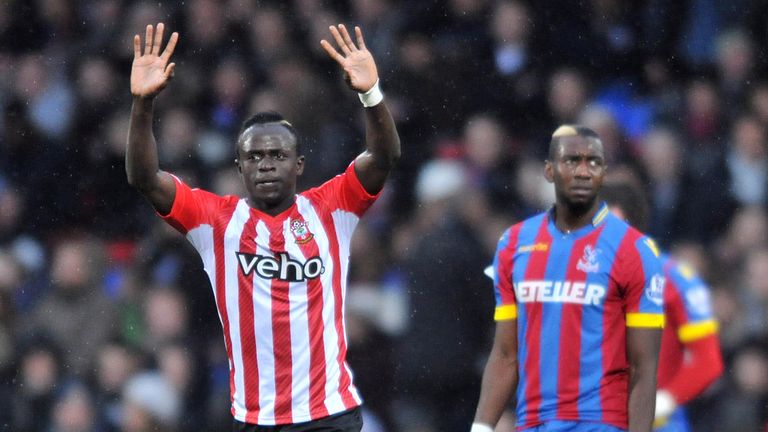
(591, 356)
(560, 252)
(651, 269)
(503, 243)
(527, 236)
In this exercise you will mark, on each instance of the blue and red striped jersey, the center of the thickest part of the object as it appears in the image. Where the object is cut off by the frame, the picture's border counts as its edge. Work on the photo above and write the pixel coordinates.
(683, 370)
(573, 295)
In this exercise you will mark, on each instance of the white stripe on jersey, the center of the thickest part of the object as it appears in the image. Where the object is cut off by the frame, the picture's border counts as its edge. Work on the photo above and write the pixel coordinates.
(232, 243)
(345, 223)
(333, 401)
(262, 320)
(201, 238)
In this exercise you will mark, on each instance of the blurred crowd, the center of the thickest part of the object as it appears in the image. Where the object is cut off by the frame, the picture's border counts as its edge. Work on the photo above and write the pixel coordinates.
(107, 321)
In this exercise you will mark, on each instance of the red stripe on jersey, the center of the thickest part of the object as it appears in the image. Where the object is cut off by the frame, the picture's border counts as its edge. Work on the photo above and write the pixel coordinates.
(671, 354)
(569, 363)
(281, 331)
(537, 266)
(345, 381)
(247, 331)
(613, 385)
(316, 342)
(221, 301)
(506, 290)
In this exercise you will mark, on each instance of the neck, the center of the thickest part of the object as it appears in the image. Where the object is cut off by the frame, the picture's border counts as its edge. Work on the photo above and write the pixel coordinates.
(269, 208)
(570, 218)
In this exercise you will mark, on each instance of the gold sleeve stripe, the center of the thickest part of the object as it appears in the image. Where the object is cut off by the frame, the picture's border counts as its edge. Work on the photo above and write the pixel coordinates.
(646, 320)
(505, 312)
(600, 216)
(696, 331)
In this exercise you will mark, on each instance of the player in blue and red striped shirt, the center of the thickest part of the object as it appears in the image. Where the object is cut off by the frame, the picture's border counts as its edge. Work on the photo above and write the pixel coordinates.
(690, 358)
(579, 312)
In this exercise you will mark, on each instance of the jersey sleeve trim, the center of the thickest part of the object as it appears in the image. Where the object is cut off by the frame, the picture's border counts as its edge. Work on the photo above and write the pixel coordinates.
(645, 320)
(358, 185)
(695, 331)
(505, 313)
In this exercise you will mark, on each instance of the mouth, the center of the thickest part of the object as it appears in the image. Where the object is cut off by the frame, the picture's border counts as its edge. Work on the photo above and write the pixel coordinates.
(267, 182)
(267, 185)
(581, 190)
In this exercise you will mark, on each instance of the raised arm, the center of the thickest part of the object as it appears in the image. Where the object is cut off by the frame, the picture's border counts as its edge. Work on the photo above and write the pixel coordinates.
(381, 140)
(150, 74)
(643, 352)
(499, 378)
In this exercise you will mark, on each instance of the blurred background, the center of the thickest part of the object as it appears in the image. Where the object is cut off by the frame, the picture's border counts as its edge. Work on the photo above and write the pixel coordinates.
(107, 321)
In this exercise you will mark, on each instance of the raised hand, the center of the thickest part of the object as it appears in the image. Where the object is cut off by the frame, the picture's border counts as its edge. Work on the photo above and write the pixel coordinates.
(357, 62)
(151, 71)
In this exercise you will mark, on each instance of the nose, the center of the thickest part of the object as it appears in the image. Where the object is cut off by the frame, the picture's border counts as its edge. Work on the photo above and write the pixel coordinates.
(265, 164)
(582, 170)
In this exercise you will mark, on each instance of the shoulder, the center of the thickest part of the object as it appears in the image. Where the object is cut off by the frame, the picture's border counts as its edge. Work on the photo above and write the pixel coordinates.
(681, 275)
(532, 223)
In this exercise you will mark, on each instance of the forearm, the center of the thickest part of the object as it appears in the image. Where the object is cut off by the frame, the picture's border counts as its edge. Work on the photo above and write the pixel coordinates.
(703, 365)
(499, 383)
(381, 139)
(642, 397)
(141, 161)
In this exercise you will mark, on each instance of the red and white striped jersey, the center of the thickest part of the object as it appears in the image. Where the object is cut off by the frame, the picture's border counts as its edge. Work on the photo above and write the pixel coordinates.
(279, 284)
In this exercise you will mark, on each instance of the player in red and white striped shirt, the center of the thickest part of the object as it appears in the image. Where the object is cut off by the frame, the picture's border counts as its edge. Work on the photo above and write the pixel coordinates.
(277, 261)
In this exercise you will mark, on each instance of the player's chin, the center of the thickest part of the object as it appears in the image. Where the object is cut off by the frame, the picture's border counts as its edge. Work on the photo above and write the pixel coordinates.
(269, 198)
(581, 200)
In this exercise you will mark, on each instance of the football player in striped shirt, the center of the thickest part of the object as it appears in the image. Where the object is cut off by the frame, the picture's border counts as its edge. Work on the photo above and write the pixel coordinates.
(277, 261)
(579, 297)
(690, 358)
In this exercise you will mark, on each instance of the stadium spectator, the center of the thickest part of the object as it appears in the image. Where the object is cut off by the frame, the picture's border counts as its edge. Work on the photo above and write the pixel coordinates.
(84, 316)
(447, 325)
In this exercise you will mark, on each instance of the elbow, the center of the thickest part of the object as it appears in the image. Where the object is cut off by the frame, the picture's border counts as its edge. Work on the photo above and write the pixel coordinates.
(716, 369)
(394, 154)
(139, 182)
(385, 161)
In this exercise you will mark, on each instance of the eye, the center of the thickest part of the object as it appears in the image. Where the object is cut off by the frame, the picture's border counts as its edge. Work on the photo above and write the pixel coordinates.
(281, 156)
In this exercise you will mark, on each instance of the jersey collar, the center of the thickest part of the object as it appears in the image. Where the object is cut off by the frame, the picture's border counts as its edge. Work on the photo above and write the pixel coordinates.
(597, 219)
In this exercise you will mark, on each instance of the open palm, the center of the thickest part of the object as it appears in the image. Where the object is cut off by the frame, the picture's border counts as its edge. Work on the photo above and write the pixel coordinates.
(357, 61)
(151, 71)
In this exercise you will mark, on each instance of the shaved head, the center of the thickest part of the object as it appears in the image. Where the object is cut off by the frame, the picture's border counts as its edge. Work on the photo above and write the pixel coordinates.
(570, 131)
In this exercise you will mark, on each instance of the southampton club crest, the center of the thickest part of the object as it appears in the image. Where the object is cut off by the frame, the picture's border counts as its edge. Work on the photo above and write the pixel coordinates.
(588, 262)
(300, 231)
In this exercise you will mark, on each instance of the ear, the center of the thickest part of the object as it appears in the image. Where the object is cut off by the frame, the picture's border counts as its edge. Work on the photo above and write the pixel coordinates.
(299, 165)
(237, 163)
(549, 173)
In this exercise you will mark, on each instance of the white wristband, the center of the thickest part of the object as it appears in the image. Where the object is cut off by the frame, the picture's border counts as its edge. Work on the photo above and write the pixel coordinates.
(372, 97)
(480, 427)
(665, 404)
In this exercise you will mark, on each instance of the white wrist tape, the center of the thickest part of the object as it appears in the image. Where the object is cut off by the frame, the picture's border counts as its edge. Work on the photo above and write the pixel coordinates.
(480, 427)
(372, 97)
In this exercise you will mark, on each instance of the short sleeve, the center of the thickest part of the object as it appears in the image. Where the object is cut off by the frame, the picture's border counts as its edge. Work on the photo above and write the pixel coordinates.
(643, 280)
(697, 318)
(190, 207)
(506, 302)
(344, 192)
